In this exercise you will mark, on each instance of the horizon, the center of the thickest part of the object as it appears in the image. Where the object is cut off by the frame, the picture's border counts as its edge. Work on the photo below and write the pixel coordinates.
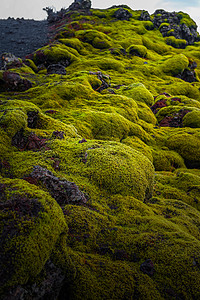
(34, 10)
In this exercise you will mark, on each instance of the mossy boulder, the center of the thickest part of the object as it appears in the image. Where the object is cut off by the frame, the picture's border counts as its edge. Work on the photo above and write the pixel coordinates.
(12, 121)
(120, 169)
(175, 65)
(192, 119)
(138, 92)
(176, 43)
(165, 160)
(99, 165)
(97, 39)
(31, 223)
(55, 53)
(137, 50)
(188, 146)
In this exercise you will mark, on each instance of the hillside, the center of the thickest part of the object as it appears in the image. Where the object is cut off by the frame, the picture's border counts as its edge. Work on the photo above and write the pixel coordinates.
(100, 160)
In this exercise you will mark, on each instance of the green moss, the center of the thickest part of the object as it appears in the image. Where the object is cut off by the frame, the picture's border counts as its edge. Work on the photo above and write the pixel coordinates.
(163, 25)
(108, 64)
(97, 39)
(146, 114)
(138, 92)
(110, 148)
(185, 19)
(120, 170)
(25, 252)
(106, 125)
(187, 145)
(12, 121)
(175, 65)
(176, 43)
(137, 144)
(165, 160)
(73, 43)
(55, 53)
(192, 119)
(138, 50)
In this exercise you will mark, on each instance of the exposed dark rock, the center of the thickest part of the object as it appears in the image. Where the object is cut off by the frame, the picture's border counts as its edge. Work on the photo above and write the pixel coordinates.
(49, 288)
(14, 82)
(10, 61)
(80, 4)
(63, 191)
(32, 118)
(58, 134)
(175, 120)
(159, 104)
(56, 69)
(122, 14)
(120, 254)
(119, 6)
(104, 78)
(172, 26)
(54, 16)
(189, 74)
(30, 142)
(147, 267)
(145, 16)
(82, 141)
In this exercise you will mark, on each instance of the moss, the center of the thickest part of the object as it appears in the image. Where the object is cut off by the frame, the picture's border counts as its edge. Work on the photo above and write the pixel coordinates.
(31, 64)
(148, 25)
(108, 64)
(97, 39)
(120, 170)
(185, 19)
(138, 92)
(176, 43)
(35, 232)
(136, 143)
(73, 43)
(98, 131)
(187, 145)
(106, 125)
(55, 53)
(163, 25)
(183, 88)
(151, 43)
(138, 50)
(12, 121)
(165, 160)
(146, 114)
(175, 65)
(192, 119)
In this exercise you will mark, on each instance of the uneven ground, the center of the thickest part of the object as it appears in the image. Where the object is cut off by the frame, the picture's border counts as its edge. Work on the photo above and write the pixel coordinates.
(100, 162)
(22, 37)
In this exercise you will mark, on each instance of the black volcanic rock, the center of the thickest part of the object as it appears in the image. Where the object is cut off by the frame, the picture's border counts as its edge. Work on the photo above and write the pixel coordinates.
(177, 25)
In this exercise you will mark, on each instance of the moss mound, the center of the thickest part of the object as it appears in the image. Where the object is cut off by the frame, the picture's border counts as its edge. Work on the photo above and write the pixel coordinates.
(100, 160)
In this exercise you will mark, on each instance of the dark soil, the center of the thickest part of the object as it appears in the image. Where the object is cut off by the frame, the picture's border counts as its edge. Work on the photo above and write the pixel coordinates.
(22, 37)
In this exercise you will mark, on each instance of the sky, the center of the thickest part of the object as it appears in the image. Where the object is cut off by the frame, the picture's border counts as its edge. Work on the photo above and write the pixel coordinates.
(32, 9)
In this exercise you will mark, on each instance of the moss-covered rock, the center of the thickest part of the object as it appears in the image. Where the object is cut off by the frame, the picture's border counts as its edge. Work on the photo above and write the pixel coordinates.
(192, 119)
(99, 165)
(188, 146)
(31, 223)
(138, 92)
(175, 65)
(97, 39)
(137, 50)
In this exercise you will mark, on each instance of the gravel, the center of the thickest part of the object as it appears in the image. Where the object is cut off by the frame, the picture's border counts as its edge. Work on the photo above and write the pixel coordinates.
(22, 37)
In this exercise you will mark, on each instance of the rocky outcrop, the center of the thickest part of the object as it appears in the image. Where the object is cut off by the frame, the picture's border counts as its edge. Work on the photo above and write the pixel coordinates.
(178, 25)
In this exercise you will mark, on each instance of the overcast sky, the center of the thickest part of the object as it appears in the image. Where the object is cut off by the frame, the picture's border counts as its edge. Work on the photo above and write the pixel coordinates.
(32, 9)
